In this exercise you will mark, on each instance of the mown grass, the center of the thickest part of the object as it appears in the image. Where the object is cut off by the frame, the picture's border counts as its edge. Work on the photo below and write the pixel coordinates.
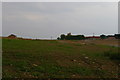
(56, 59)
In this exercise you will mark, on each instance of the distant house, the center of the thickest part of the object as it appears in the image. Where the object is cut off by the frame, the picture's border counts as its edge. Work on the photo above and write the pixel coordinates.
(12, 36)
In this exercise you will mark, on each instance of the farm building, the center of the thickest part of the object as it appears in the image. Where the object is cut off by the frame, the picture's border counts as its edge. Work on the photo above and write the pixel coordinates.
(12, 36)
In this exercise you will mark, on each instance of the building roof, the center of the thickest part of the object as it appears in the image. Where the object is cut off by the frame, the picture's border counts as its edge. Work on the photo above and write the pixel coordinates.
(12, 35)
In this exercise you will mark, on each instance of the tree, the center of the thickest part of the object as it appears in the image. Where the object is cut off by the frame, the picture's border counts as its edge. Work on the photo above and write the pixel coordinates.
(69, 34)
(58, 38)
(103, 36)
(117, 36)
(71, 37)
(62, 36)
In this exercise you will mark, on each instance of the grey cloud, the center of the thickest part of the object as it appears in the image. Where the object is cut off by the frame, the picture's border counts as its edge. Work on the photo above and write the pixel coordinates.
(43, 20)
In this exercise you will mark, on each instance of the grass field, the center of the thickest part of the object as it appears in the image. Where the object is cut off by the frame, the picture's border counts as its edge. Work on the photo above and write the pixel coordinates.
(60, 59)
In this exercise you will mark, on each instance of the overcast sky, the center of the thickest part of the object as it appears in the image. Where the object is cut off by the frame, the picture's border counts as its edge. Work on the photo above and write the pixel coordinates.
(46, 19)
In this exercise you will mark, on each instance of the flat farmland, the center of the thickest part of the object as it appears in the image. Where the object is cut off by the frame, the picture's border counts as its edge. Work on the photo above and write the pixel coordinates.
(60, 58)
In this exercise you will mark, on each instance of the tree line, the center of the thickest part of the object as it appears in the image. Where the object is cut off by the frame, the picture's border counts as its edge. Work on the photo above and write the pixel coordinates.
(82, 37)
(71, 37)
(116, 36)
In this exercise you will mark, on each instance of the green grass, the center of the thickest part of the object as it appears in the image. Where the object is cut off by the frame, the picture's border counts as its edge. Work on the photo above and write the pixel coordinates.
(56, 59)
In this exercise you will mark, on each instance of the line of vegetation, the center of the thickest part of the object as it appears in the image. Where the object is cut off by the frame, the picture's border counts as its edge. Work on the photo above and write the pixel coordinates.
(82, 37)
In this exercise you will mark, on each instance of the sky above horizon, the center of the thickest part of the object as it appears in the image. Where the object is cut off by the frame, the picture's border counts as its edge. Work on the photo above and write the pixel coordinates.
(46, 19)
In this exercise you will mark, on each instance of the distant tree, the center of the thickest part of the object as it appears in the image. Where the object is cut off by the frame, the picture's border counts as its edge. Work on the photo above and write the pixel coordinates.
(71, 37)
(62, 37)
(117, 36)
(82, 36)
(103, 36)
(75, 37)
(69, 34)
(58, 38)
